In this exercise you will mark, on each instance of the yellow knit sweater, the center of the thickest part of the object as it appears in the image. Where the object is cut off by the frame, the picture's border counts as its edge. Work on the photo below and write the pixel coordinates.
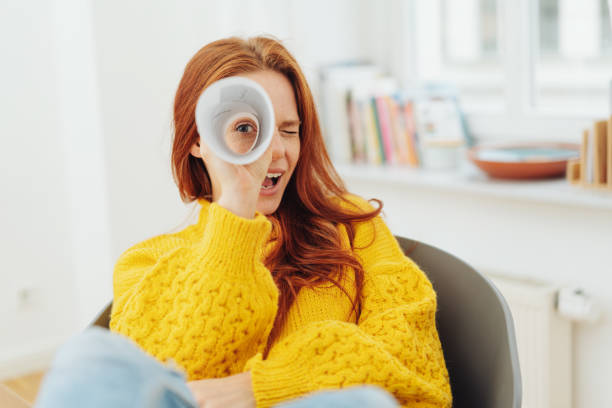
(203, 298)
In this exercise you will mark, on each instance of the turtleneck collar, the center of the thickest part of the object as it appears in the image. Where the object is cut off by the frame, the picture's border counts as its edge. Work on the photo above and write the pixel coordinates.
(205, 204)
(203, 216)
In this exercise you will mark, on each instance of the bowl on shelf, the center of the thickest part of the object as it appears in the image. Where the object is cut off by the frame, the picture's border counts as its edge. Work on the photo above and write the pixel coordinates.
(531, 160)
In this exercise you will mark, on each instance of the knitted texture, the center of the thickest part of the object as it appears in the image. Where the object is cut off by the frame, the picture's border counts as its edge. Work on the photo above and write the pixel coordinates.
(203, 298)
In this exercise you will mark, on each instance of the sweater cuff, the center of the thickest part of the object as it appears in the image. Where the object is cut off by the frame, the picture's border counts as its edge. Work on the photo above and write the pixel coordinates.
(278, 381)
(230, 241)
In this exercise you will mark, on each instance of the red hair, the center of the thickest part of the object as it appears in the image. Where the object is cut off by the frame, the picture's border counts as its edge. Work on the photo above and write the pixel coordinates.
(308, 248)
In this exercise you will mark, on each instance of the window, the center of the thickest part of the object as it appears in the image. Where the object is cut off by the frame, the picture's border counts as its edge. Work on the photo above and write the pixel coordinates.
(573, 65)
(458, 41)
(521, 66)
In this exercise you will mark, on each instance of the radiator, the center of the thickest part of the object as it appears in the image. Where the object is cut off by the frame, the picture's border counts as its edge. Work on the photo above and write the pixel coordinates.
(544, 341)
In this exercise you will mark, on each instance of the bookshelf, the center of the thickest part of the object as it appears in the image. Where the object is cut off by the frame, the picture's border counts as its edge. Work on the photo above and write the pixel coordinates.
(379, 133)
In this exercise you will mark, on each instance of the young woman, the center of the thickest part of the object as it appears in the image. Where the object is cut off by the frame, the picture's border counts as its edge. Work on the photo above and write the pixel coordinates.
(287, 284)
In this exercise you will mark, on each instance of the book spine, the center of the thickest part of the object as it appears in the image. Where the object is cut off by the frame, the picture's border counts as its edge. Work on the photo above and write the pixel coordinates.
(584, 156)
(357, 145)
(397, 131)
(385, 129)
(373, 145)
(378, 130)
(590, 176)
(336, 127)
(600, 146)
(364, 114)
(609, 147)
(573, 171)
(410, 134)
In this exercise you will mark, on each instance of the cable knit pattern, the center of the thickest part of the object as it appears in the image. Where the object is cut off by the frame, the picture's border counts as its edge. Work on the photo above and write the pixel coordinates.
(208, 304)
(203, 298)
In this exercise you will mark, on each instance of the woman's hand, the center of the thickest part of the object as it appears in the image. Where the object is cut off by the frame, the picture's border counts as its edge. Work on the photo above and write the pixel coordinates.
(235, 391)
(236, 187)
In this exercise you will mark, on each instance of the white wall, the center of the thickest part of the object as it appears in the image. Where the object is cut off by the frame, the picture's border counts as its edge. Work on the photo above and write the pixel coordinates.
(81, 137)
(56, 238)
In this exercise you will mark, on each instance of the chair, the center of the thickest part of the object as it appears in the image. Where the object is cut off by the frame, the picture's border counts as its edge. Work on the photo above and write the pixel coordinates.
(103, 319)
(475, 328)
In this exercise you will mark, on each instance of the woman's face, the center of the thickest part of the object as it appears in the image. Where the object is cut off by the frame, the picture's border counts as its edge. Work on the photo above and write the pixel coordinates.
(285, 143)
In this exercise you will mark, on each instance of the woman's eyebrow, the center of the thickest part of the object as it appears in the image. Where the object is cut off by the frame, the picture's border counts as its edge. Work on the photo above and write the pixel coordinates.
(290, 123)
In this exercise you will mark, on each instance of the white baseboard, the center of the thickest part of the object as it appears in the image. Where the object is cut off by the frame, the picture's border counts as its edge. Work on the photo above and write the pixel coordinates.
(21, 362)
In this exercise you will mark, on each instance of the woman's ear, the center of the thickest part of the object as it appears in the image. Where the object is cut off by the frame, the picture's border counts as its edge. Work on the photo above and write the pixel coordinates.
(195, 150)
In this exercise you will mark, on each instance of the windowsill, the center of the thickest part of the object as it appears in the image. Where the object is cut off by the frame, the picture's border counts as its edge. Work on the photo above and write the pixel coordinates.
(470, 180)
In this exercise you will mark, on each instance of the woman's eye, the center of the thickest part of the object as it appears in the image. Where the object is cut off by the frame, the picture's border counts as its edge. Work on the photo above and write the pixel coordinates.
(241, 136)
(290, 132)
(245, 128)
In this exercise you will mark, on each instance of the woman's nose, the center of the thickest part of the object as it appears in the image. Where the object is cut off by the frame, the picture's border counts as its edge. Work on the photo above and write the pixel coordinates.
(277, 145)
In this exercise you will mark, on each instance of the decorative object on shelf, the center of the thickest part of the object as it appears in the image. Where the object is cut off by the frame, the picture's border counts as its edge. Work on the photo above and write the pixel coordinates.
(441, 127)
(524, 160)
(594, 167)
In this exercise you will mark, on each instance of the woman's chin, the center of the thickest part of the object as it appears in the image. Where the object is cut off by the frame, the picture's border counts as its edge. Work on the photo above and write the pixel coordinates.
(268, 205)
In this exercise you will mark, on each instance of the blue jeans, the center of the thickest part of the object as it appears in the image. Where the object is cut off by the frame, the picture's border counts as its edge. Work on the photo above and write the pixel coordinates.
(99, 368)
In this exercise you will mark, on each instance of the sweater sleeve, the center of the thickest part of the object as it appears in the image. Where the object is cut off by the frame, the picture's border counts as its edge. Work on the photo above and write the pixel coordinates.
(394, 345)
(208, 304)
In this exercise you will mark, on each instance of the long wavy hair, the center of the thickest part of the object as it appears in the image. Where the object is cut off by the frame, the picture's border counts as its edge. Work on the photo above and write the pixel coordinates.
(308, 250)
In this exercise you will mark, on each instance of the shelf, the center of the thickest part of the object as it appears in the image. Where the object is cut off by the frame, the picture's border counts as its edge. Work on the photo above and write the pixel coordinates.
(471, 180)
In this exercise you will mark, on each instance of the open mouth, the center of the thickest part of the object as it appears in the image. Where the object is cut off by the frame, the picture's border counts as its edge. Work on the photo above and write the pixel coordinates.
(271, 181)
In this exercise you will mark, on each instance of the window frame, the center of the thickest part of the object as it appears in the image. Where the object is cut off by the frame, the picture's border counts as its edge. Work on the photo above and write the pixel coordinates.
(520, 118)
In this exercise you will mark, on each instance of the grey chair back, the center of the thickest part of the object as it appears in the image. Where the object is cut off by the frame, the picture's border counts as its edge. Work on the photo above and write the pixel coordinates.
(103, 319)
(476, 330)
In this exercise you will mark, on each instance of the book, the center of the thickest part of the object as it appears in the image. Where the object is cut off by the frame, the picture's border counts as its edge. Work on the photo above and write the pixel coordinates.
(410, 134)
(377, 130)
(584, 156)
(590, 153)
(600, 146)
(397, 130)
(384, 121)
(358, 143)
(609, 151)
(374, 149)
(573, 171)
